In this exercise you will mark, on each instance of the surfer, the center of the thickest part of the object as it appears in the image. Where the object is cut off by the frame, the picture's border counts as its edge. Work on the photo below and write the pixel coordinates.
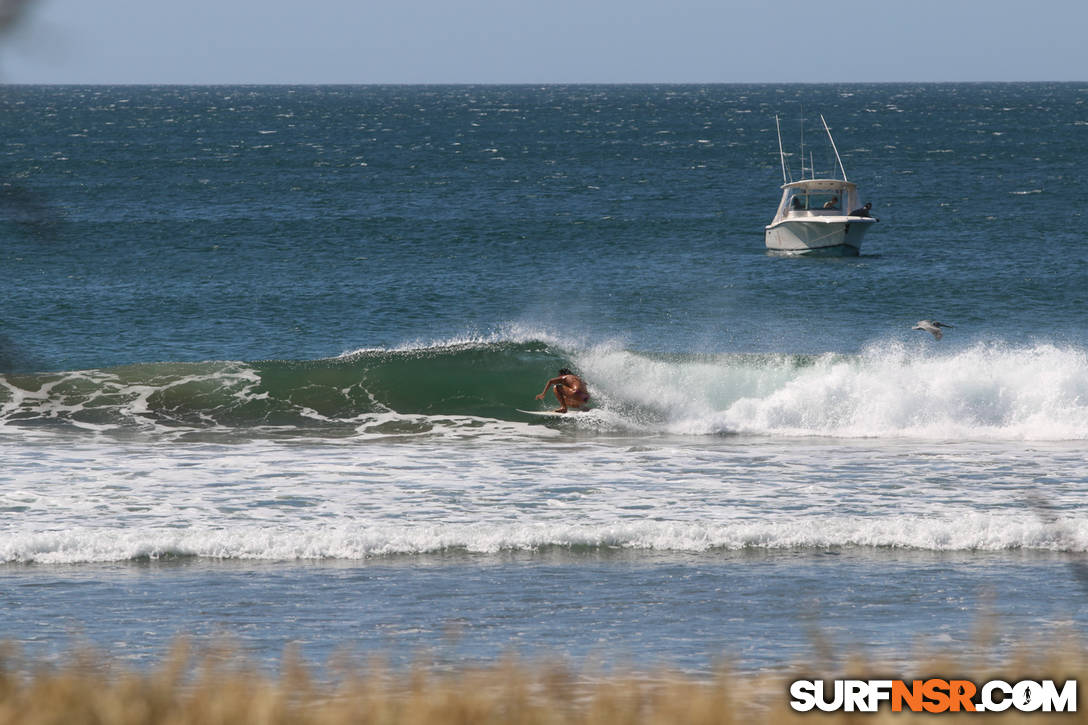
(570, 390)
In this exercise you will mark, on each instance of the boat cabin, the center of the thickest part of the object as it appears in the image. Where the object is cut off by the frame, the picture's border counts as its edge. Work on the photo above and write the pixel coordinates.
(818, 197)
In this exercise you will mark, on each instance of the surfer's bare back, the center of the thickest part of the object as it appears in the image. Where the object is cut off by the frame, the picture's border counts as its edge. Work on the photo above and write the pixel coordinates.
(570, 391)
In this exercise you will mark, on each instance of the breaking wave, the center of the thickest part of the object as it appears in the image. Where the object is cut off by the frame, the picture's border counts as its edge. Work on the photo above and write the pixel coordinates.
(987, 391)
(976, 532)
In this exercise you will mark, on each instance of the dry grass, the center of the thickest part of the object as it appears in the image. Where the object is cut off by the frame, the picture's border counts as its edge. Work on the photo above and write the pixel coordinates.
(219, 688)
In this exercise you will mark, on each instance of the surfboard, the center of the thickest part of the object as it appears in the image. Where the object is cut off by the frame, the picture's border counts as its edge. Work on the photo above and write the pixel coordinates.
(550, 413)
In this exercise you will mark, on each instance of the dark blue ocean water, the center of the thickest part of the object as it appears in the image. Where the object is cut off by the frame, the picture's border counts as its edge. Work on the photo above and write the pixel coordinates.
(260, 343)
(294, 223)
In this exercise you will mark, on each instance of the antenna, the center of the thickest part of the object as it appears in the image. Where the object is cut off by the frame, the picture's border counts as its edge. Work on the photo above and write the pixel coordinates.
(781, 153)
(843, 170)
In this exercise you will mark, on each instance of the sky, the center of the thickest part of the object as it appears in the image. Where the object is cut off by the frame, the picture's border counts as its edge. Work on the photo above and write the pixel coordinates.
(544, 41)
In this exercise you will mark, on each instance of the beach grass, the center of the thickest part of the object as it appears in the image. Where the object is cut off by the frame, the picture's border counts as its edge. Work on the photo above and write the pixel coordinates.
(217, 686)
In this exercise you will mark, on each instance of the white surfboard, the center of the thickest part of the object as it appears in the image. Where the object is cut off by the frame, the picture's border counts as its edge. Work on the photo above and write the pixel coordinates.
(551, 413)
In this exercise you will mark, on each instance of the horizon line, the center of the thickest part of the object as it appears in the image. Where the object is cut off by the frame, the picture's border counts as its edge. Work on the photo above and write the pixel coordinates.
(530, 83)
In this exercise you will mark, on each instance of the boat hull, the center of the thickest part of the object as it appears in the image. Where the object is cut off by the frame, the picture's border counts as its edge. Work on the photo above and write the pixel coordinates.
(842, 237)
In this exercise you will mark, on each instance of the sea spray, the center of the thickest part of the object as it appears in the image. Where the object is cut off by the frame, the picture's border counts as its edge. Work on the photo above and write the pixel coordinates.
(983, 392)
(987, 391)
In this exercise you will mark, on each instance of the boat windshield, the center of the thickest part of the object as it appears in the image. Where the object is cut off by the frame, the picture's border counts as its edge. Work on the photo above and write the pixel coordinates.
(801, 200)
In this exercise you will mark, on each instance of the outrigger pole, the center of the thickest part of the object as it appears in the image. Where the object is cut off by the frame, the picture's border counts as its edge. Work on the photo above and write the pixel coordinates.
(835, 148)
(781, 153)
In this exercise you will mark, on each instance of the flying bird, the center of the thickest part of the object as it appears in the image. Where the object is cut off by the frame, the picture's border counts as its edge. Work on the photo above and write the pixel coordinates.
(931, 326)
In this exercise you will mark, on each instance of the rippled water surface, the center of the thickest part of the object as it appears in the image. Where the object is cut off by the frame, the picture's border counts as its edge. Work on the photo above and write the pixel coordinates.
(267, 351)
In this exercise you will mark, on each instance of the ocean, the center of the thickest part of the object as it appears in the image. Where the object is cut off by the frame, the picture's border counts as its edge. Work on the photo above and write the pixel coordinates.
(265, 349)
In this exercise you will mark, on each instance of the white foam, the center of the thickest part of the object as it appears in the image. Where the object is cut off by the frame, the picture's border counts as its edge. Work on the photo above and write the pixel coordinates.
(105, 390)
(984, 392)
(976, 532)
(380, 426)
(486, 486)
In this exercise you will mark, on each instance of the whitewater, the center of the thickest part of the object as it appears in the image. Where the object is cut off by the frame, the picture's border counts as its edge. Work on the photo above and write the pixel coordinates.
(330, 459)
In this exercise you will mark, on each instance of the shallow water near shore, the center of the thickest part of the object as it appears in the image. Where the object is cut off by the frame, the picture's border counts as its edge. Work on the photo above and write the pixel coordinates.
(688, 612)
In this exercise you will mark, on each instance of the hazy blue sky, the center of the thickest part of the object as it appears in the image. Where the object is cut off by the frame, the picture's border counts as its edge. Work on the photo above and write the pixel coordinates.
(515, 41)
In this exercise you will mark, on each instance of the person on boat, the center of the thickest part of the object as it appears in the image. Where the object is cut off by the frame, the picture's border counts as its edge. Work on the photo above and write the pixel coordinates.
(570, 391)
(863, 211)
(833, 204)
(797, 203)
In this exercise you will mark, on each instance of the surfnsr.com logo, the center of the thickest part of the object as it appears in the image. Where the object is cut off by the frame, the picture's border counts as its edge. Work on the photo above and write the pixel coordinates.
(933, 695)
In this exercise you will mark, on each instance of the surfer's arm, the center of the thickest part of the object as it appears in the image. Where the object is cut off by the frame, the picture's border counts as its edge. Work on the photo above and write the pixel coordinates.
(553, 381)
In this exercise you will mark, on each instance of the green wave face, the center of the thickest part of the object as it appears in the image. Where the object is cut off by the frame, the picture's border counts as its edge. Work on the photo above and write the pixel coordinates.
(485, 380)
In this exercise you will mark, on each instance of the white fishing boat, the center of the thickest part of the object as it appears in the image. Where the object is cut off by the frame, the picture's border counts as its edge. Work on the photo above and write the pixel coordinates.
(823, 216)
